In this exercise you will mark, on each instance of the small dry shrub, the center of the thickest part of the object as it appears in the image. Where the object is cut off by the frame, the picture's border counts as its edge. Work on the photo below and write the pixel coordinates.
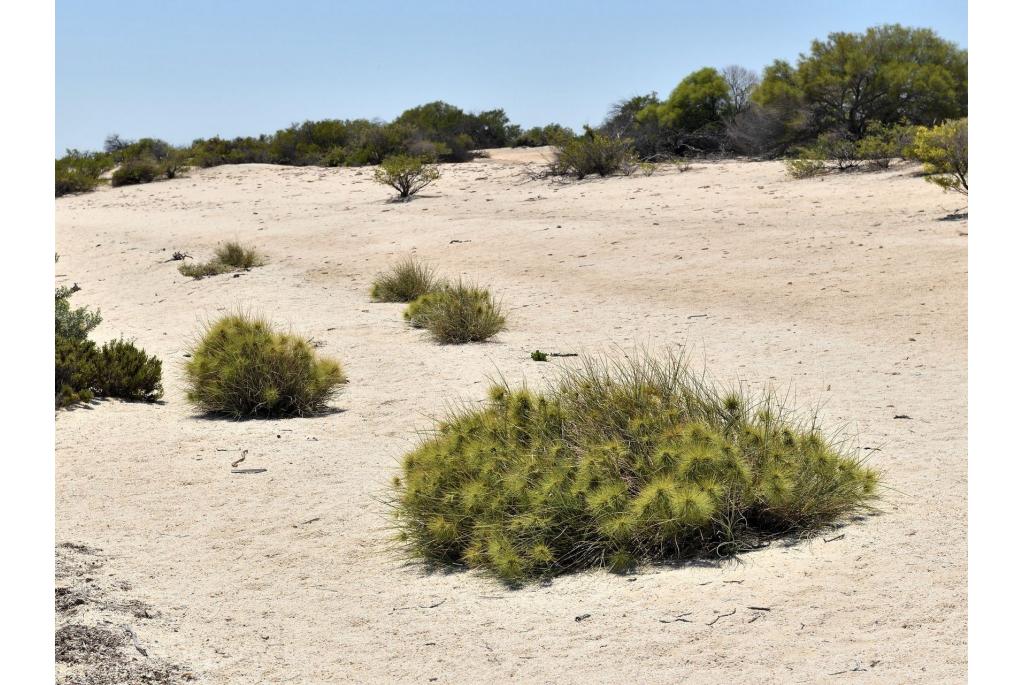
(404, 282)
(231, 256)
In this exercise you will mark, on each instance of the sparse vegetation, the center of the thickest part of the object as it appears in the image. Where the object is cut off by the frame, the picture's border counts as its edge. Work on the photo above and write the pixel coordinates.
(134, 172)
(404, 282)
(457, 313)
(943, 149)
(231, 256)
(82, 372)
(80, 172)
(593, 153)
(617, 465)
(408, 175)
(241, 367)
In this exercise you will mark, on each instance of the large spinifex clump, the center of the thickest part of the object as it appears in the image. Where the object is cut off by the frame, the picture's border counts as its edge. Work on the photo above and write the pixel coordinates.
(242, 367)
(618, 465)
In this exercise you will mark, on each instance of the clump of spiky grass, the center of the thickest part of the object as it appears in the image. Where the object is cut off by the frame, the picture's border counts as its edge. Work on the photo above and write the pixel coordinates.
(238, 255)
(241, 367)
(231, 256)
(404, 282)
(457, 313)
(618, 465)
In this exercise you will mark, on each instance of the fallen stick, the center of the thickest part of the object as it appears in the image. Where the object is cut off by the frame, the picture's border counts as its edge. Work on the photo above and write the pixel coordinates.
(721, 616)
(135, 639)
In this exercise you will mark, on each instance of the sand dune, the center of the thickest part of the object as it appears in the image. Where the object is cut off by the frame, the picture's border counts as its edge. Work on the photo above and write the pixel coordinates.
(848, 291)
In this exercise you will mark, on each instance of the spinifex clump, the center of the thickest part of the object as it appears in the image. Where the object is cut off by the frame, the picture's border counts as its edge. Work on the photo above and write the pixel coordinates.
(619, 465)
(242, 367)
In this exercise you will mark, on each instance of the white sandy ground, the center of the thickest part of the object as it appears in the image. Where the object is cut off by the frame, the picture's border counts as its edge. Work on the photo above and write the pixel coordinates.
(849, 290)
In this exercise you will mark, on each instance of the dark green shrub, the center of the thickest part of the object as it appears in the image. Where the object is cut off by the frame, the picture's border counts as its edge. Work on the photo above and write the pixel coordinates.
(408, 175)
(593, 153)
(538, 356)
(404, 282)
(79, 172)
(457, 313)
(613, 467)
(118, 369)
(76, 368)
(72, 324)
(126, 372)
(134, 172)
(242, 368)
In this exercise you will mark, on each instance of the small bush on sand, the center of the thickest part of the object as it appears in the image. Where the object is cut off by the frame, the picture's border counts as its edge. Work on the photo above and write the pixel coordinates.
(943, 149)
(457, 313)
(882, 144)
(618, 465)
(238, 256)
(231, 256)
(404, 282)
(593, 153)
(127, 372)
(804, 168)
(75, 369)
(242, 368)
(118, 369)
(408, 175)
(134, 172)
(538, 356)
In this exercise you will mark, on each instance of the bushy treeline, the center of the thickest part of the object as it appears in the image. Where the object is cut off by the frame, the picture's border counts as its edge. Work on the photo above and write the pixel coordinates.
(841, 91)
(434, 132)
(843, 87)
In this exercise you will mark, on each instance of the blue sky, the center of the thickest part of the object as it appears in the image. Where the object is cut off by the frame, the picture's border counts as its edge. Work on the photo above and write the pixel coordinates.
(182, 69)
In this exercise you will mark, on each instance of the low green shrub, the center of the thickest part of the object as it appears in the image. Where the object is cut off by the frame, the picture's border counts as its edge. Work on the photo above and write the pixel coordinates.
(118, 369)
(404, 282)
(79, 172)
(457, 313)
(134, 172)
(804, 168)
(231, 256)
(618, 465)
(943, 149)
(128, 373)
(538, 356)
(593, 153)
(76, 368)
(408, 175)
(241, 367)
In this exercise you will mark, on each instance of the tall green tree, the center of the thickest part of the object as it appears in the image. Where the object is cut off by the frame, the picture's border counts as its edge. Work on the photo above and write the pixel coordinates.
(888, 74)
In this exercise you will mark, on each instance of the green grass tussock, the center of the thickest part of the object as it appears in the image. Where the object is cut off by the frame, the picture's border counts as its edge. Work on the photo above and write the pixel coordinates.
(619, 465)
(231, 256)
(241, 367)
(457, 313)
(404, 282)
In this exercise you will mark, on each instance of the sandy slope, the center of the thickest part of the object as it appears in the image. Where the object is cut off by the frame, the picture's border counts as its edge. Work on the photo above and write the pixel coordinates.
(849, 291)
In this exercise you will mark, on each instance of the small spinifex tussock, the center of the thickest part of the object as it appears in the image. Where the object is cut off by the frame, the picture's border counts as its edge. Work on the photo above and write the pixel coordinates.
(242, 367)
(231, 256)
(457, 313)
(404, 282)
(619, 465)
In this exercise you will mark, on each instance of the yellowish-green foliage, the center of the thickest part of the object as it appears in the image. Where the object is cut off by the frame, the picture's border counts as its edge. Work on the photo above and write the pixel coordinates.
(231, 256)
(803, 167)
(618, 465)
(457, 313)
(943, 150)
(241, 367)
(404, 282)
(408, 175)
